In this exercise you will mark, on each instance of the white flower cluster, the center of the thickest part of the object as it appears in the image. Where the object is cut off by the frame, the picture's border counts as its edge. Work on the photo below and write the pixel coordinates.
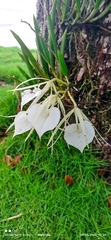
(44, 115)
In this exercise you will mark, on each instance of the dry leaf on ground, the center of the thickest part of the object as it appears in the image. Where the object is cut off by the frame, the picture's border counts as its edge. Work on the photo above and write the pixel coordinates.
(11, 162)
(68, 180)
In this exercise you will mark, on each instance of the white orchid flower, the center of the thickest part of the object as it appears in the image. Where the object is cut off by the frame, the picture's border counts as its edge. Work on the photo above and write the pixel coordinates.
(29, 95)
(40, 118)
(81, 133)
(21, 123)
(47, 120)
(74, 135)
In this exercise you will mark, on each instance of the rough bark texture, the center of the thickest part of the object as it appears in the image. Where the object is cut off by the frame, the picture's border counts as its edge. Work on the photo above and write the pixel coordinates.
(43, 9)
(88, 57)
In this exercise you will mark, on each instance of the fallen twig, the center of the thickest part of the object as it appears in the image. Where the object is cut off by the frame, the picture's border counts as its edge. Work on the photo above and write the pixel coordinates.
(11, 218)
(105, 29)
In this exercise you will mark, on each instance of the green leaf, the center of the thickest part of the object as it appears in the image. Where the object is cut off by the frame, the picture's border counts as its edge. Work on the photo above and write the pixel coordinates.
(53, 14)
(23, 72)
(52, 34)
(63, 42)
(29, 55)
(96, 8)
(51, 50)
(29, 66)
(64, 9)
(97, 4)
(78, 11)
(102, 13)
(62, 64)
(45, 51)
(42, 48)
(78, 6)
(52, 57)
(21, 55)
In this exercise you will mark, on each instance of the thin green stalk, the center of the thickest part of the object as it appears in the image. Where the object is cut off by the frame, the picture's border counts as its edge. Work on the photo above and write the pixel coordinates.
(102, 13)
(95, 10)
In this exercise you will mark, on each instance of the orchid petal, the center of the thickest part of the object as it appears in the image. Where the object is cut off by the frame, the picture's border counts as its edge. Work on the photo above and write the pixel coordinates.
(21, 123)
(74, 135)
(28, 95)
(47, 120)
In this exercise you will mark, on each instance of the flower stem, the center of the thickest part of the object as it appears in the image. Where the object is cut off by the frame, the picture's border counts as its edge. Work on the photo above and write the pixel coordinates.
(72, 99)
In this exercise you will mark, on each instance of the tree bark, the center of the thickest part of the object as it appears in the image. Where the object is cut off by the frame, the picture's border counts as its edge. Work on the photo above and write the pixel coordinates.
(88, 57)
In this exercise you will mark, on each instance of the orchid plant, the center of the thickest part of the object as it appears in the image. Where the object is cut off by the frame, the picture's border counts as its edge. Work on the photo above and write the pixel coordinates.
(42, 95)
(45, 111)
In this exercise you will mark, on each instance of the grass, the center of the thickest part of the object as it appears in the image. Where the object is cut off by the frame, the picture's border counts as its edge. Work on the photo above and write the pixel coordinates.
(8, 105)
(10, 59)
(36, 188)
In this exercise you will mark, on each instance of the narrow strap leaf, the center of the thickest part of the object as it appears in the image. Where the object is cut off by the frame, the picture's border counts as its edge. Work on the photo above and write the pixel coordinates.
(64, 9)
(52, 34)
(62, 64)
(29, 66)
(63, 42)
(97, 4)
(23, 72)
(102, 14)
(29, 55)
(42, 48)
(92, 14)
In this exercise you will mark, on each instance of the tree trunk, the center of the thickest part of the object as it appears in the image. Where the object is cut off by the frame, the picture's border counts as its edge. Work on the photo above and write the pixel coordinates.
(88, 57)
